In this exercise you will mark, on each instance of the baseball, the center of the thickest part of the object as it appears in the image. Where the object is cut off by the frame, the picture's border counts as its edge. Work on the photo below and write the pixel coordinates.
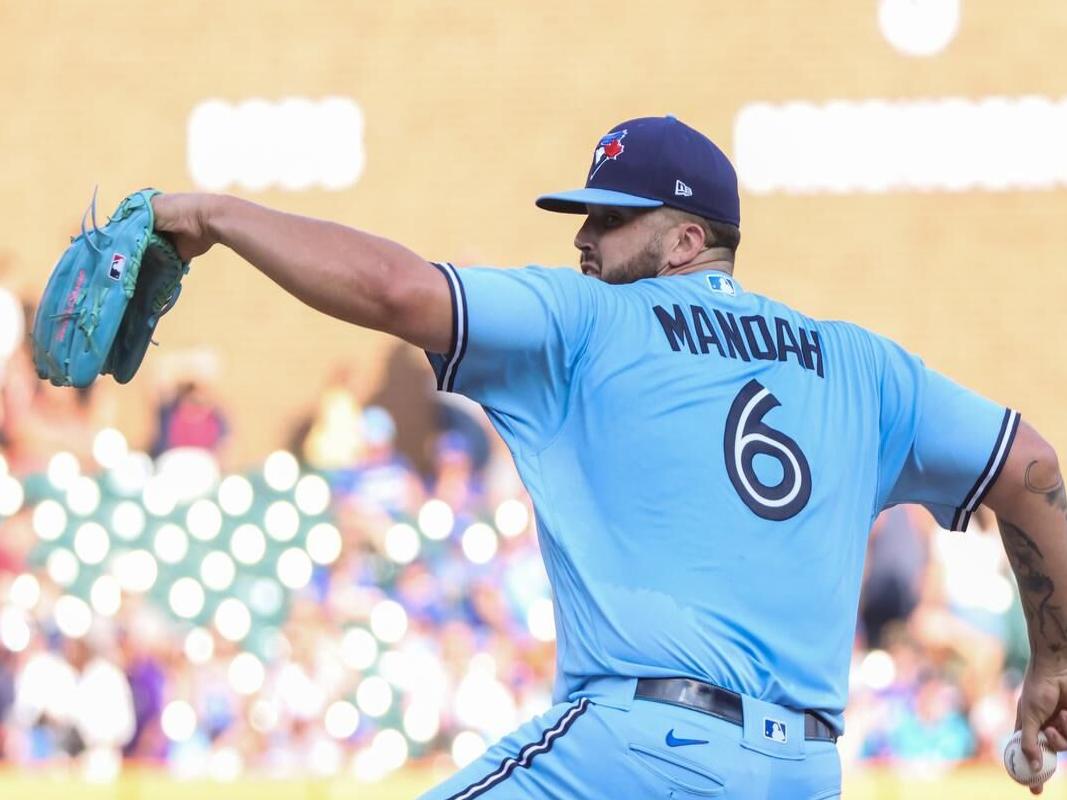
(1015, 762)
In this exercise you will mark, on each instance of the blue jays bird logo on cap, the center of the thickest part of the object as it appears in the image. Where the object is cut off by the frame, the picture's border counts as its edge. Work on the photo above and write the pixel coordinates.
(609, 148)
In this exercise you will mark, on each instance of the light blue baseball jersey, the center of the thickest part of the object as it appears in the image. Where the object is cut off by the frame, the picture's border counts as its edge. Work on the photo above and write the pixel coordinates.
(705, 464)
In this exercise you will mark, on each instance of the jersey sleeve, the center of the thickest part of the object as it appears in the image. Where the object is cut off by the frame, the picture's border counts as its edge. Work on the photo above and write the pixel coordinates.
(942, 445)
(517, 338)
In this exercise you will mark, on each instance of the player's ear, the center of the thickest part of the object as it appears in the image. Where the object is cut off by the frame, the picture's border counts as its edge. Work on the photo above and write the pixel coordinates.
(688, 238)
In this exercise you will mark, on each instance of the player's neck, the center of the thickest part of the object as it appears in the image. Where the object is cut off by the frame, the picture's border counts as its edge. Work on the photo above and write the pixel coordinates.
(719, 259)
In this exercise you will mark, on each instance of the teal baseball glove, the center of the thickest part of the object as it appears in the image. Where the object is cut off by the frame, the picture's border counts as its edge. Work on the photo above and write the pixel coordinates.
(105, 297)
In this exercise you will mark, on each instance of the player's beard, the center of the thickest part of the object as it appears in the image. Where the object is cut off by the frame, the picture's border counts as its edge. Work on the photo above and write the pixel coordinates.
(646, 264)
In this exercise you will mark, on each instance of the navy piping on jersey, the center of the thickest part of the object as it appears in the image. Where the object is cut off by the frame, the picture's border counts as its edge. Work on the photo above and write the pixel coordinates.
(526, 755)
(1008, 427)
(447, 378)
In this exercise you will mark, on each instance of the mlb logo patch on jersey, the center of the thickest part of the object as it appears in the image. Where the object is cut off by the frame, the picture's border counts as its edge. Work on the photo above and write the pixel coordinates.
(118, 264)
(774, 730)
(722, 284)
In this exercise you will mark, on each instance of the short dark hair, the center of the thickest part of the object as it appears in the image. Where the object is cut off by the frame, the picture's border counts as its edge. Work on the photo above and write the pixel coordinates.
(716, 234)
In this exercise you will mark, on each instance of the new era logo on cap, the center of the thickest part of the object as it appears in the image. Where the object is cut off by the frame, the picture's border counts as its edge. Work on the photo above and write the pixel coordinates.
(655, 161)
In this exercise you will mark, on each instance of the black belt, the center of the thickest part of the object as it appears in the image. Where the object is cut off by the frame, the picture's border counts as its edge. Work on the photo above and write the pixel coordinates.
(717, 702)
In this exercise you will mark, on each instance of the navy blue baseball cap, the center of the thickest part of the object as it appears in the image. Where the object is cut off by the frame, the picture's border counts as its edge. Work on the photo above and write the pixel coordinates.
(656, 161)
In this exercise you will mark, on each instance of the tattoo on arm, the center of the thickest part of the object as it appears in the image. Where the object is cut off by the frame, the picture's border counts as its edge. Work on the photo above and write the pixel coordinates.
(1036, 588)
(1054, 495)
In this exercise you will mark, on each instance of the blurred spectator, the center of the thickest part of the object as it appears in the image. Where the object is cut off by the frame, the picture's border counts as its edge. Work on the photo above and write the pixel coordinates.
(382, 478)
(334, 439)
(896, 563)
(455, 480)
(190, 417)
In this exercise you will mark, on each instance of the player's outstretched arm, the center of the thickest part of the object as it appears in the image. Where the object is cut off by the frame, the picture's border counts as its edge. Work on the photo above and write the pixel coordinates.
(1031, 507)
(355, 276)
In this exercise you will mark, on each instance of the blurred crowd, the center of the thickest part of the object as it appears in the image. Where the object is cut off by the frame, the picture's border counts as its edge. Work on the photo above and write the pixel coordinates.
(414, 622)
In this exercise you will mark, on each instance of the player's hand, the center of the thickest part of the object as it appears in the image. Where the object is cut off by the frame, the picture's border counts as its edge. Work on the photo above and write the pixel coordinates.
(1043, 706)
(183, 217)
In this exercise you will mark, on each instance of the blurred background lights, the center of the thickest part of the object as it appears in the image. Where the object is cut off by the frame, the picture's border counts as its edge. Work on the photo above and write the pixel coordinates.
(24, 592)
(326, 757)
(263, 716)
(62, 469)
(101, 765)
(109, 448)
(217, 571)
(127, 520)
(511, 518)
(919, 27)
(282, 520)
(203, 520)
(136, 570)
(186, 597)
(466, 747)
(422, 721)
(199, 646)
(479, 543)
(11, 496)
(266, 597)
(246, 674)
(83, 496)
(159, 496)
(389, 621)
(367, 767)
(236, 495)
(540, 620)
(359, 648)
(402, 543)
(294, 568)
(436, 519)
(312, 495)
(170, 543)
(878, 670)
(178, 721)
(131, 474)
(374, 696)
(191, 472)
(73, 616)
(324, 543)
(295, 143)
(225, 765)
(877, 146)
(49, 520)
(15, 631)
(62, 567)
(106, 596)
(248, 544)
(232, 619)
(281, 470)
(391, 748)
(342, 719)
(91, 543)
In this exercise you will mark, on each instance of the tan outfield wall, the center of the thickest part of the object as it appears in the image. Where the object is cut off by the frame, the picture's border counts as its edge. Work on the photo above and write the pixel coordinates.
(473, 108)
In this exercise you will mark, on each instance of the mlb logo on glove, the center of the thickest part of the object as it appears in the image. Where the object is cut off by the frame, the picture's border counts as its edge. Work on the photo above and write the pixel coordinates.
(118, 263)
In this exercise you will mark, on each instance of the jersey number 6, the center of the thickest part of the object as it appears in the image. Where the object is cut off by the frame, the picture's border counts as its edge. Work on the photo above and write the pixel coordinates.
(747, 437)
